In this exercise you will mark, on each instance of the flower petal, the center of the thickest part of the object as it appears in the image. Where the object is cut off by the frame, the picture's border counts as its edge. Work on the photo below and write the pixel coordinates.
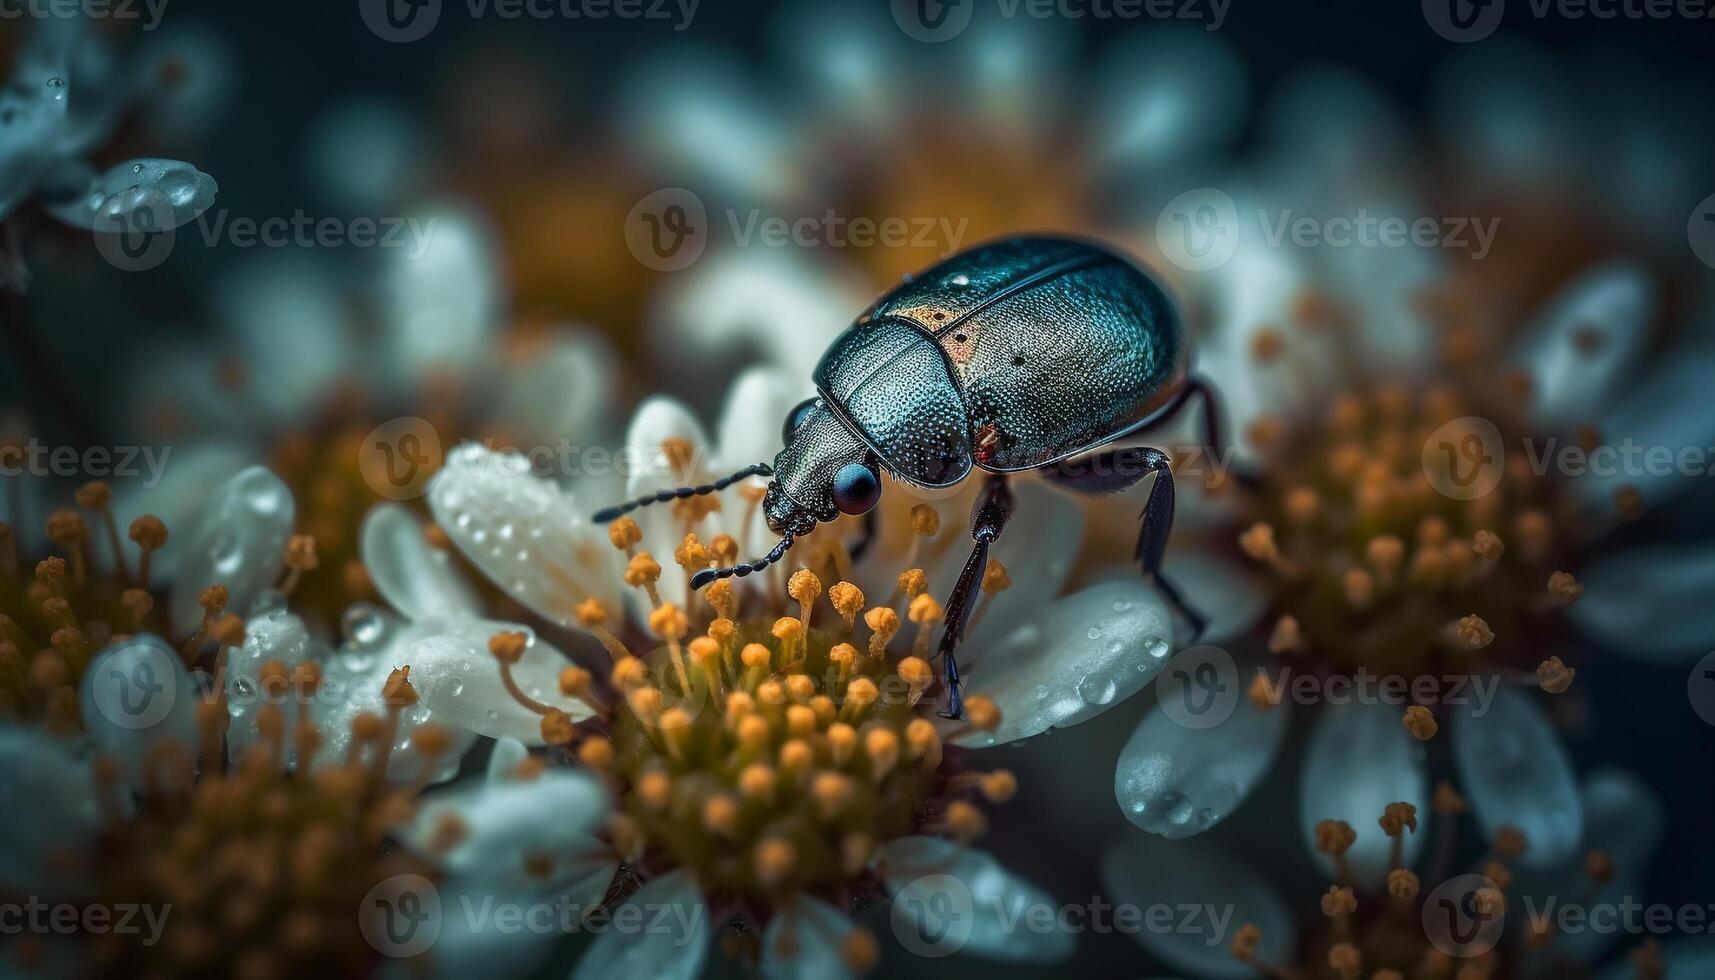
(459, 680)
(276, 635)
(803, 942)
(749, 432)
(1233, 596)
(509, 753)
(1360, 759)
(136, 695)
(177, 498)
(352, 683)
(926, 873)
(674, 948)
(1650, 603)
(414, 578)
(1686, 958)
(503, 826)
(171, 191)
(47, 808)
(439, 298)
(525, 533)
(563, 390)
(1672, 411)
(1083, 654)
(1040, 550)
(1515, 770)
(238, 541)
(1178, 781)
(1145, 871)
(1587, 343)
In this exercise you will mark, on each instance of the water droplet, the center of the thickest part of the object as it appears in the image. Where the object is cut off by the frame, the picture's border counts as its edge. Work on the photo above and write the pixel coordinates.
(1179, 808)
(493, 714)
(1158, 648)
(1041, 691)
(1093, 633)
(1096, 690)
(136, 168)
(455, 688)
(364, 625)
(1121, 605)
(959, 281)
(226, 553)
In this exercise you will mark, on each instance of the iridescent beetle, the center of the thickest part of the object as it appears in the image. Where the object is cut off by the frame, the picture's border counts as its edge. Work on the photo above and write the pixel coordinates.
(1023, 354)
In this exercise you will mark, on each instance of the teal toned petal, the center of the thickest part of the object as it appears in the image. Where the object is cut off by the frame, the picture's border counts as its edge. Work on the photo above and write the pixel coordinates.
(1360, 759)
(1671, 414)
(1650, 603)
(1083, 655)
(238, 541)
(172, 192)
(47, 809)
(1514, 769)
(1178, 781)
(1686, 958)
(1145, 871)
(673, 945)
(803, 942)
(275, 635)
(1586, 345)
(136, 695)
(991, 908)
(506, 824)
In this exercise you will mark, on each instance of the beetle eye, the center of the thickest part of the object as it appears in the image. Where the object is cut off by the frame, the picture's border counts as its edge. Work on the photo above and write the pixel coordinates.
(796, 418)
(857, 487)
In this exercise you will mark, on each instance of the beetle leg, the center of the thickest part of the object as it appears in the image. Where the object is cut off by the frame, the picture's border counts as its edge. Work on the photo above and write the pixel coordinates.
(1213, 439)
(988, 519)
(1114, 470)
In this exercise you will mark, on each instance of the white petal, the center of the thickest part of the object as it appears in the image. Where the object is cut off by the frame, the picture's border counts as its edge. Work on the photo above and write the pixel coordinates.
(656, 421)
(185, 479)
(172, 192)
(1515, 770)
(1146, 871)
(439, 295)
(1672, 411)
(1170, 95)
(812, 930)
(1233, 596)
(505, 824)
(292, 324)
(1178, 781)
(525, 533)
(1360, 759)
(749, 432)
(1624, 819)
(459, 680)
(47, 806)
(414, 578)
(1039, 548)
(1615, 303)
(352, 683)
(509, 753)
(563, 391)
(273, 635)
(470, 943)
(135, 695)
(926, 875)
(238, 541)
(1650, 603)
(675, 951)
(1083, 654)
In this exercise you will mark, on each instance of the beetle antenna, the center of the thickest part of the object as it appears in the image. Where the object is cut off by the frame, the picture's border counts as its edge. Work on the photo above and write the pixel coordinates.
(662, 496)
(742, 569)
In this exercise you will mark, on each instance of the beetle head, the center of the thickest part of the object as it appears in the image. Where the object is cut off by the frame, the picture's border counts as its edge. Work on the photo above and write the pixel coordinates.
(825, 470)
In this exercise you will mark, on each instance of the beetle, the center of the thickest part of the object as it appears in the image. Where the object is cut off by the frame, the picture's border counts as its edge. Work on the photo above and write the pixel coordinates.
(1026, 354)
